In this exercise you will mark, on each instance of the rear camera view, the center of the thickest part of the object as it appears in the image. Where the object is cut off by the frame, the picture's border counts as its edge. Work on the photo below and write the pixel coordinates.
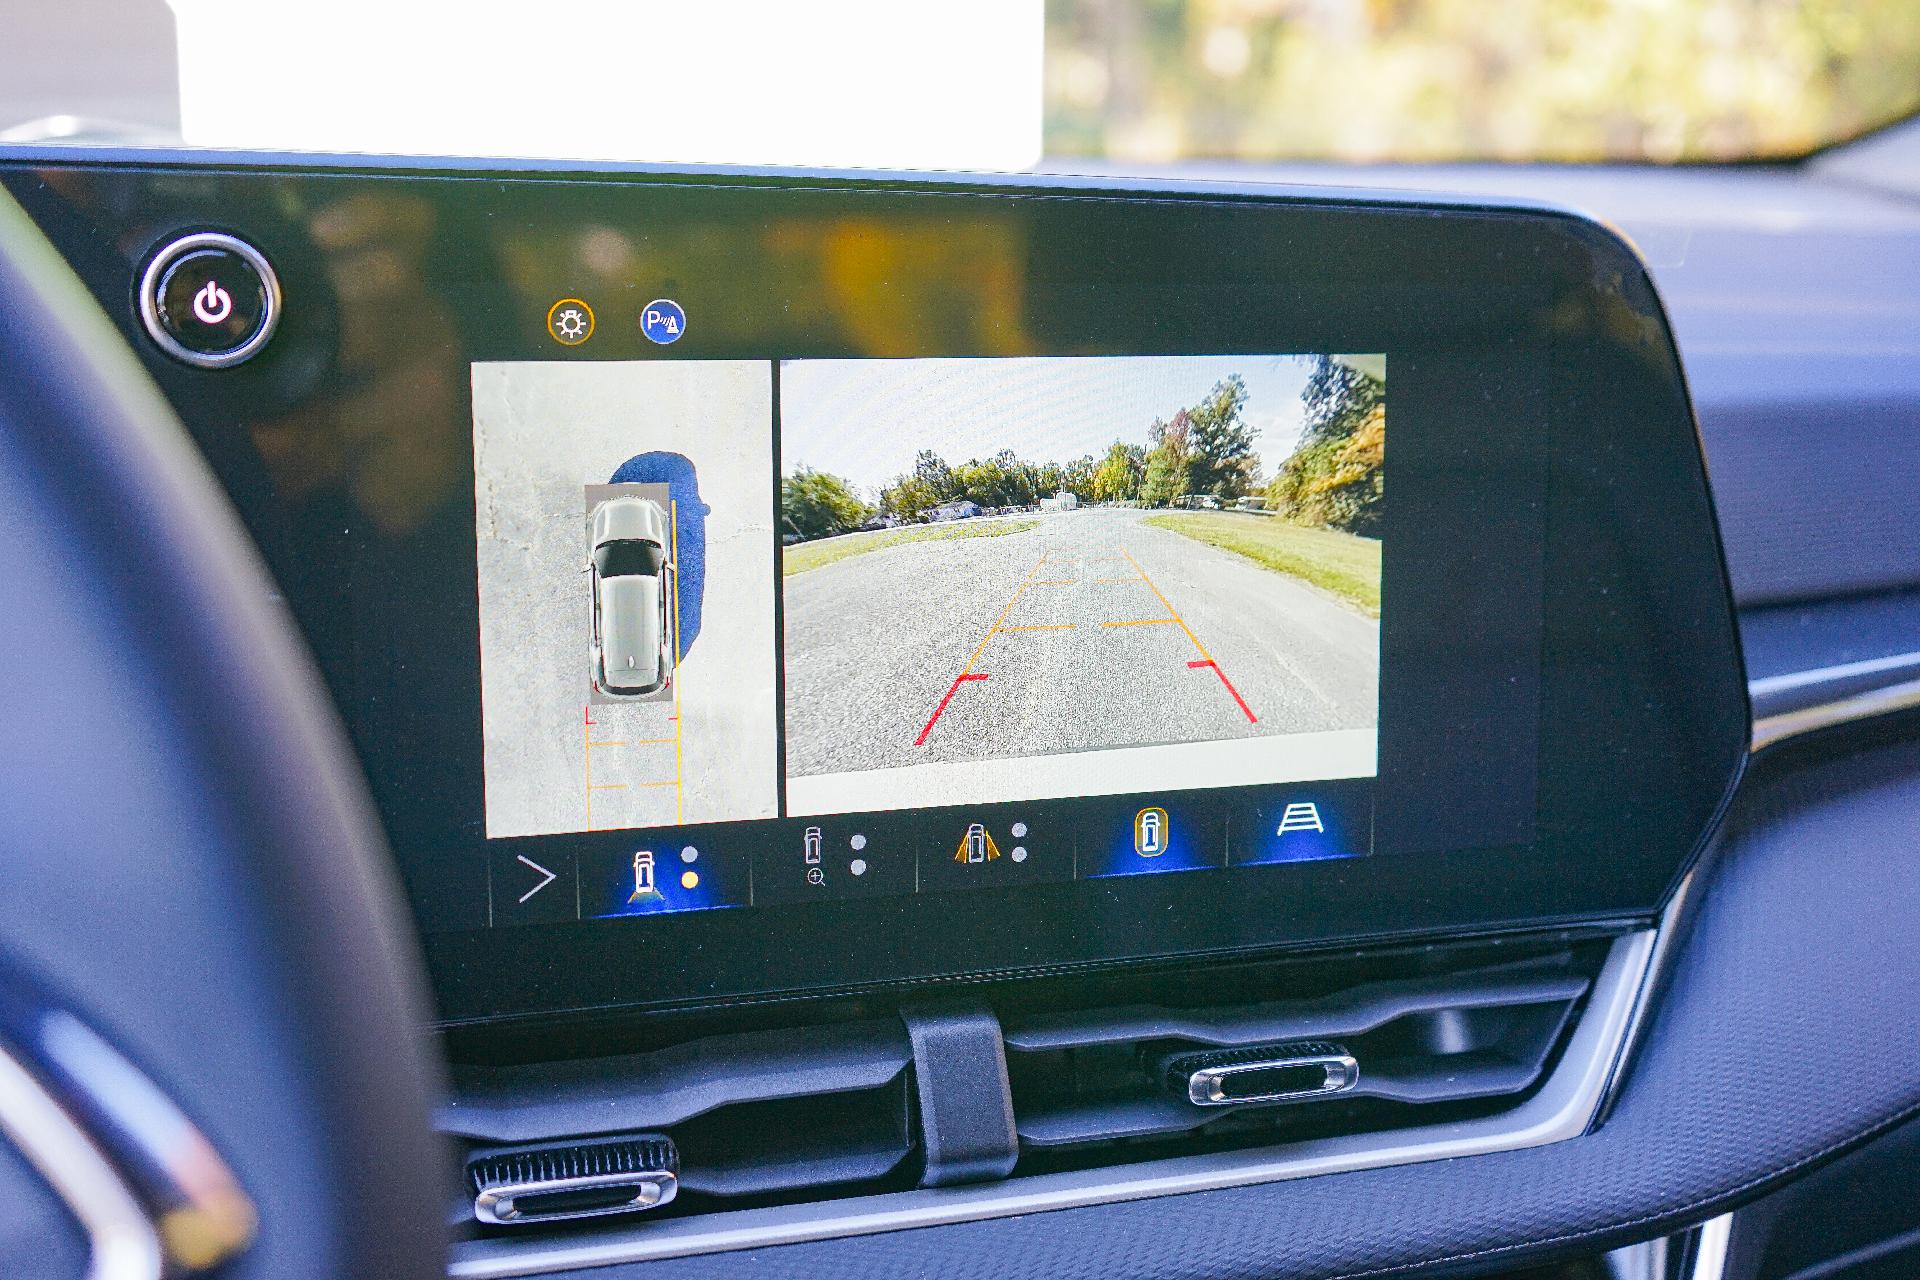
(626, 593)
(1029, 578)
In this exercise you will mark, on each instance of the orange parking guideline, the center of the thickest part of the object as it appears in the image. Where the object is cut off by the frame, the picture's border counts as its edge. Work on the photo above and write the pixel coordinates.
(967, 673)
(1166, 604)
(1206, 658)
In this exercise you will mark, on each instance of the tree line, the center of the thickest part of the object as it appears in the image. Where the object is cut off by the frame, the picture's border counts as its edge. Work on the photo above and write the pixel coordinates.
(1332, 478)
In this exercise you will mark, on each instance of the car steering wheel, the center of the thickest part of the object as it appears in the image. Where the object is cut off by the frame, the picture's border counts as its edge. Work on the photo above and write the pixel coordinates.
(212, 1012)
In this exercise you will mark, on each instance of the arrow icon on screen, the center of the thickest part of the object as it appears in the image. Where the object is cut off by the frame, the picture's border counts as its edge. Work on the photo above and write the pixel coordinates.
(531, 865)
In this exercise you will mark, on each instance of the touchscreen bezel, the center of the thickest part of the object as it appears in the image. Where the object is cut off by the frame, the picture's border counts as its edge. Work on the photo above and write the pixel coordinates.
(1641, 719)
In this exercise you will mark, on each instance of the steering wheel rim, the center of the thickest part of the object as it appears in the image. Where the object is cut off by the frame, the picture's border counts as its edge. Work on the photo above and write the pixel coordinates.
(197, 873)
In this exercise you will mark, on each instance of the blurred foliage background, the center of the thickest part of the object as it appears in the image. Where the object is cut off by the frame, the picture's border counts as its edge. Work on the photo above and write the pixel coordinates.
(1153, 81)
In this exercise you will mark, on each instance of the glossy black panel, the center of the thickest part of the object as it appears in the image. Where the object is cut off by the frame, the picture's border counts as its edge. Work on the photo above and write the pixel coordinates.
(1562, 711)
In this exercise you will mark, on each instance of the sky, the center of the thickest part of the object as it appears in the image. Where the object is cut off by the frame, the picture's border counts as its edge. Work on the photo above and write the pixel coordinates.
(864, 420)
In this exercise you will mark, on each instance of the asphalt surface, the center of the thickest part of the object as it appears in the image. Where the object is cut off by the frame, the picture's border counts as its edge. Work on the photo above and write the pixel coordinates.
(1091, 631)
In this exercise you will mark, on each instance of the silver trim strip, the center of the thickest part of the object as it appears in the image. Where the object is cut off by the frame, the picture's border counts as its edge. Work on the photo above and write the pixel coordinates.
(202, 1214)
(122, 1242)
(1563, 1108)
(1665, 939)
(1866, 705)
(1710, 1249)
(1768, 686)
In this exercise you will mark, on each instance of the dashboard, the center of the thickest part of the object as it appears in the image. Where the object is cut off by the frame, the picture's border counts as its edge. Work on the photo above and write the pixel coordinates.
(928, 724)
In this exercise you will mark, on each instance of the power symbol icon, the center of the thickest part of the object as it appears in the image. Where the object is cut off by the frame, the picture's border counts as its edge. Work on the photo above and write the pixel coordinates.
(212, 304)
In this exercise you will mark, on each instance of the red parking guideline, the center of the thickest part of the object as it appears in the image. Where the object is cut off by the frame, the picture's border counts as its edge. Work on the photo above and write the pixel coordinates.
(1248, 711)
(953, 689)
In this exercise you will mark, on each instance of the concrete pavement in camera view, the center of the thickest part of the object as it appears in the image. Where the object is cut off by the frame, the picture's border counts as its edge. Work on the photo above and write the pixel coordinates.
(1092, 630)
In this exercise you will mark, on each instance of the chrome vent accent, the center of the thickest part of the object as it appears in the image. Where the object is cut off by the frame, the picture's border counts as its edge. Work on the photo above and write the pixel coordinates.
(1263, 1073)
(573, 1180)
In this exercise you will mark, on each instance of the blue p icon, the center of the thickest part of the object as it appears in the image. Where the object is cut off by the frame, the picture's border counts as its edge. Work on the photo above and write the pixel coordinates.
(663, 321)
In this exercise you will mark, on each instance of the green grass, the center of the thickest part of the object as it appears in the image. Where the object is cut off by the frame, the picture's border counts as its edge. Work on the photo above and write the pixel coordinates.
(802, 556)
(1340, 563)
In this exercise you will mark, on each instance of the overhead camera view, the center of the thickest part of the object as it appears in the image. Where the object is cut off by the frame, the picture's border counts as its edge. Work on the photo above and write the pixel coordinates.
(993, 568)
(626, 594)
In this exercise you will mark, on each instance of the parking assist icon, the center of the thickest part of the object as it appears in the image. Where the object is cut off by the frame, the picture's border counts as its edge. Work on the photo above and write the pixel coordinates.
(663, 321)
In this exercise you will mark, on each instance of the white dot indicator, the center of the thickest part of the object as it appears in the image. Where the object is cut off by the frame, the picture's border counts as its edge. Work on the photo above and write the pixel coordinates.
(1019, 853)
(689, 854)
(858, 842)
(1019, 829)
(858, 866)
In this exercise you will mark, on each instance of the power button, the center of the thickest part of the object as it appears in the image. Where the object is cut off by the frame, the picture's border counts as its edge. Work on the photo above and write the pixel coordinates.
(209, 299)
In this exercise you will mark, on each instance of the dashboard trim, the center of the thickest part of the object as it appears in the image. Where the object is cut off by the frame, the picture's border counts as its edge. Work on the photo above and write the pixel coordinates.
(1826, 697)
(1564, 1107)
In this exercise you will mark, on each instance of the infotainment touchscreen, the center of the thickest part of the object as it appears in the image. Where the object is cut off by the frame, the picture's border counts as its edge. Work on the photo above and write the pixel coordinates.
(974, 585)
(758, 588)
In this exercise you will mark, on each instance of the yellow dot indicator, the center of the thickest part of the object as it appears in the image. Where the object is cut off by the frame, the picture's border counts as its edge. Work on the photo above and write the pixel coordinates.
(570, 322)
(689, 879)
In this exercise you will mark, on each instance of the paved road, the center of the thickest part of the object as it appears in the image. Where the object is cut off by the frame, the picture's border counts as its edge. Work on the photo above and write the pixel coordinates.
(1093, 630)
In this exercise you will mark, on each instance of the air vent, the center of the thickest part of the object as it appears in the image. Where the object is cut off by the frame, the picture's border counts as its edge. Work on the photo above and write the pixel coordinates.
(786, 1114)
(1352, 1059)
(1000, 1087)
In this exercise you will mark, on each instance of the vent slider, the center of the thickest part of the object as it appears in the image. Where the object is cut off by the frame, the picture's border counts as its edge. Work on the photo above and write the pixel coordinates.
(573, 1180)
(1262, 1073)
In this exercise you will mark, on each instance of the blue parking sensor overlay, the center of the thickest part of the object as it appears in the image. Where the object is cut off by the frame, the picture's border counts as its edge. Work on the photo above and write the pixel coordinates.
(675, 471)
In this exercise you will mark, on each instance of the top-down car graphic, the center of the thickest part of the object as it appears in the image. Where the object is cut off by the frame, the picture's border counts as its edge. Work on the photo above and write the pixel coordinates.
(631, 574)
